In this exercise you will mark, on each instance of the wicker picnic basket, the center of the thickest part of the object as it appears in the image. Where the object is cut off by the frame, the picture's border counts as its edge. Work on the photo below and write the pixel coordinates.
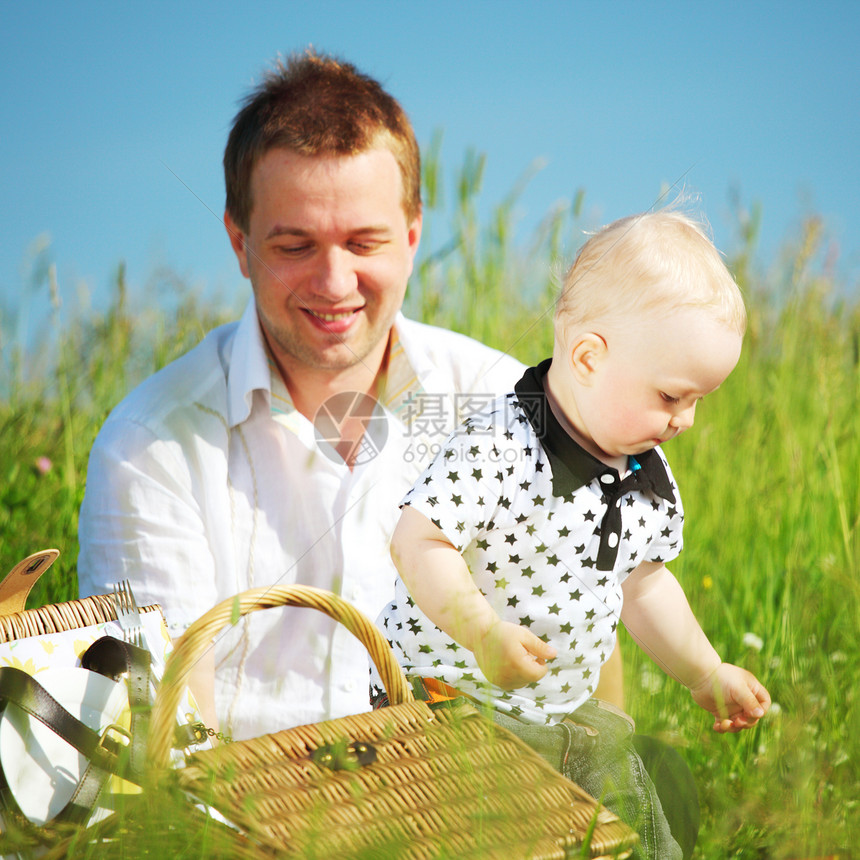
(16, 622)
(53, 640)
(406, 781)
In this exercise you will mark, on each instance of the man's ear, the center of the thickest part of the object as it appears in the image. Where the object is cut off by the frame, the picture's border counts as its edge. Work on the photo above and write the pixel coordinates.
(413, 237)
(237, 242)
(586, 355)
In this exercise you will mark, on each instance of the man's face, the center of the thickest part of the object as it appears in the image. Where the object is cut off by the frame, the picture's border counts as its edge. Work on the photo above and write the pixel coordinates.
(328, 252)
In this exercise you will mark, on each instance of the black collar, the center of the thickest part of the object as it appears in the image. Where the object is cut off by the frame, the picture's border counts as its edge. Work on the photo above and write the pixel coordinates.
(572, 466)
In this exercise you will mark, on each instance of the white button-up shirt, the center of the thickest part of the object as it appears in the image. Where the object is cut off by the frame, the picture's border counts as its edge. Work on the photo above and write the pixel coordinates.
(205, 482)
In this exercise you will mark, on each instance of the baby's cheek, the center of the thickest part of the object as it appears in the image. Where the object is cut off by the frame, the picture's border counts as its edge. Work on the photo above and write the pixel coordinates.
(633, 423)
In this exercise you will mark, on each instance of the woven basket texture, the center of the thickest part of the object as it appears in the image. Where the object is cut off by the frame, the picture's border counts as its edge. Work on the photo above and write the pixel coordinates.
(59, 617)
(445, 783)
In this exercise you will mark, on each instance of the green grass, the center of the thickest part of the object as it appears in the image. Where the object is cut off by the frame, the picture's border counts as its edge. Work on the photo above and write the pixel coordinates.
(770, 482)
(770, 478)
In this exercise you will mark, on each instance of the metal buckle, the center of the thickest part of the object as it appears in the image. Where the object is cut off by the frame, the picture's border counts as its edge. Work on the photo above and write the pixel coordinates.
(113, 727)
(344, 755)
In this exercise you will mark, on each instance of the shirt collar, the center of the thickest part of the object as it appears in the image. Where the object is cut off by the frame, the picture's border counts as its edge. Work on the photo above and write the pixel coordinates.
(248, 367)
(402, 383)
(572, 466)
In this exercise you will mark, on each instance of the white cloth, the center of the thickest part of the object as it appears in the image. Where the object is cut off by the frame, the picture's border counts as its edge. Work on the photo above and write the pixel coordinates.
(197, 490)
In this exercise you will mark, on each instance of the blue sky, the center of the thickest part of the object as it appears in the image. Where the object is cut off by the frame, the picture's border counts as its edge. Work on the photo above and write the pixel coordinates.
(114, 115)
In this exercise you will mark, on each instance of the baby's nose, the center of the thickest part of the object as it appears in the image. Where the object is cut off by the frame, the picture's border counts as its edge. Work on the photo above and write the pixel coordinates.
(683, 419)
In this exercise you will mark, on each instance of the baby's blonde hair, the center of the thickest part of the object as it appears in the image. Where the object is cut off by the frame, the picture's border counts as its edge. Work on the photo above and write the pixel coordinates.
(654, 262)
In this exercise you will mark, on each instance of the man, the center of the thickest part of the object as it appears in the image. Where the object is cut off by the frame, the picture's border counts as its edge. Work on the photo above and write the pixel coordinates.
(278, 449)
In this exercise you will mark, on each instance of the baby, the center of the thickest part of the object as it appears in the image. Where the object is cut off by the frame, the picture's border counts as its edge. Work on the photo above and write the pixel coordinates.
(551, 516)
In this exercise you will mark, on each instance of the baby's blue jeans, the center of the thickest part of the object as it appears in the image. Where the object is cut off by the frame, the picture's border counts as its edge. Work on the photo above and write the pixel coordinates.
(593, 747)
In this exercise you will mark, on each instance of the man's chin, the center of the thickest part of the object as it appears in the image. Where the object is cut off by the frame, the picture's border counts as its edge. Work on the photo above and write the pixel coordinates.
(334, 359)
(298, 351)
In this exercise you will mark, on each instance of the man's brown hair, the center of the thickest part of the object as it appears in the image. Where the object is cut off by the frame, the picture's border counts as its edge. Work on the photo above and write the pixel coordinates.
(317, 105)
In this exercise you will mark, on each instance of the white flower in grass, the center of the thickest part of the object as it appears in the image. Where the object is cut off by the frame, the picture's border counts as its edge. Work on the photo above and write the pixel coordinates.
(651, 681)
(775, 710)
(838, 657)
(750, 640)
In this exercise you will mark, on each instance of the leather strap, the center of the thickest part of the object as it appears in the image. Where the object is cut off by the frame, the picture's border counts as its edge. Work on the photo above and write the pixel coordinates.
(102, 752)
(23, 690)
(113, 657)
(105, 755)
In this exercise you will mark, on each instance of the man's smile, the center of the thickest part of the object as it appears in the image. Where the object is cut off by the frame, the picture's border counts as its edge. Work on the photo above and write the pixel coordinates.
(331, 317)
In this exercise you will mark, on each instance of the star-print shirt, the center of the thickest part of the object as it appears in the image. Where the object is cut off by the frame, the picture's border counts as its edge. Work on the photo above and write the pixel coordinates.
(549, 533)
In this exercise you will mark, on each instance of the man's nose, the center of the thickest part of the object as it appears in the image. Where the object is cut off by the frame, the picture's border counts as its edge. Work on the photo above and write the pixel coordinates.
(335, 277)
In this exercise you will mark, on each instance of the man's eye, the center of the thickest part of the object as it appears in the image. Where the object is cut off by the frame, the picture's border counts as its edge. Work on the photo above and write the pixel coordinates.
(292, 250)
(365, 246)
(668, 397)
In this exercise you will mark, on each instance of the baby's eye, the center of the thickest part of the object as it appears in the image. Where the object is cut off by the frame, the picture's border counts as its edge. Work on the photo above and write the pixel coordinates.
(668, 397)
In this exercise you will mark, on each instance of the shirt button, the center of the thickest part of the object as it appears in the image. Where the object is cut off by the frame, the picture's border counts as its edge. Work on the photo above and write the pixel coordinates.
(349, 686)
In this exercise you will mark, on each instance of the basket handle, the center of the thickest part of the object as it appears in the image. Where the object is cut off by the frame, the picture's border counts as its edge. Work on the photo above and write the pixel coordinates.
(17, 584)
(190, 647)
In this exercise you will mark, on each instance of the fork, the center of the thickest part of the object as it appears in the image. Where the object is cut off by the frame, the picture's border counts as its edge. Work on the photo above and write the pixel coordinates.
(128, 614)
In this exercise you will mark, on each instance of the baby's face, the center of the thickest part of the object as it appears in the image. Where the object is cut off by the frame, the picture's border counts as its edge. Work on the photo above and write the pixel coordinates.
(646, 386)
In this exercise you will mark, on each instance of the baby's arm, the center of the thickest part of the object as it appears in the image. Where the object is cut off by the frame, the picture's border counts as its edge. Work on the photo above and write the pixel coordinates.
(658, 617)
(439, 581)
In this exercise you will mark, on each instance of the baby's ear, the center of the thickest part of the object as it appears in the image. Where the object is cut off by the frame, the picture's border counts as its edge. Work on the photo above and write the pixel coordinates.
(585, 356)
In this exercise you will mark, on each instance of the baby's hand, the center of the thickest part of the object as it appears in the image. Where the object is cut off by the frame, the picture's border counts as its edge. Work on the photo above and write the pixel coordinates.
(734, 696)
(511, 656)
